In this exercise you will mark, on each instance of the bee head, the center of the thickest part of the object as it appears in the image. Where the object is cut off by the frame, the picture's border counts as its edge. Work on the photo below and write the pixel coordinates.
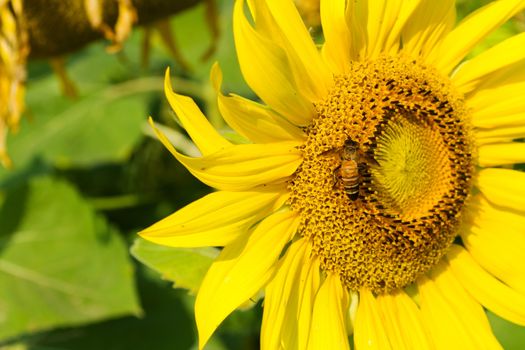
(350, 149)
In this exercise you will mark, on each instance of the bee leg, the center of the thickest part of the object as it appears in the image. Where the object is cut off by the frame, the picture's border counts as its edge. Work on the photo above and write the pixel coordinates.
(336, 179)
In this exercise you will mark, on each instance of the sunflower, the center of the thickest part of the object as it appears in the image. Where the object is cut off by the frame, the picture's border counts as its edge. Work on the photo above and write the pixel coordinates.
(376, 195)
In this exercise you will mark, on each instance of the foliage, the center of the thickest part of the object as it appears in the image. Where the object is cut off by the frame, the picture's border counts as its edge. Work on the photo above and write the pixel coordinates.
(60, 266)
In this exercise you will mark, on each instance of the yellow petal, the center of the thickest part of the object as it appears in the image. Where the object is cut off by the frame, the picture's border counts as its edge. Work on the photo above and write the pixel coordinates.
(207, 139)
(245, 166)
(403, 322)
(336, 48)
(295, 328)
(311, 73)
(496, 120)
(241, 167)
(504, 187)
(308, 288)
(491, 293)
(265, 67)
(278, 303)
(241, 269)
(470, 31)
(216, 219)
(369, 327)
(512, 74)
(484, 212)
(498, 104)
(498, 248)
(501, 154)
(454, 318)
(356, 17)
(252, 120)
(501, 134)
(429, 23)
(472, 72)
(352, 310)
(383, 21)
(328, 329)
(401, 18)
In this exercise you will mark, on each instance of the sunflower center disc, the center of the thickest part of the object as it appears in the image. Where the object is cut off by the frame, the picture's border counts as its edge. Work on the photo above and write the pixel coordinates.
(386, 172)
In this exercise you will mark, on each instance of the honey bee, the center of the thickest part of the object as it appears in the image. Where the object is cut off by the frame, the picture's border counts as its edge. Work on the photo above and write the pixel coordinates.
(349, 170)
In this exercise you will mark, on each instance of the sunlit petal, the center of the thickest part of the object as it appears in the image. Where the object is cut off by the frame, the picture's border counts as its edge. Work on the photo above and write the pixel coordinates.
(490, 292)
(403, 322)
(470, 31)
(454, 319)
(472, 72)
(369, 327)
(279, 294)
(266, 69)
(498, 248)
(429, 23)
(501, 154)
(242, 268)
(216, 219)
(328, 329)
(383, 21)
(310, 71)
(336, 48)
(256, 122)
(504, 187)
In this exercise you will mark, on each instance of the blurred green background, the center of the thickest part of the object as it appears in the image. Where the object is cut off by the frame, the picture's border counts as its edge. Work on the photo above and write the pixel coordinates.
(88, 175)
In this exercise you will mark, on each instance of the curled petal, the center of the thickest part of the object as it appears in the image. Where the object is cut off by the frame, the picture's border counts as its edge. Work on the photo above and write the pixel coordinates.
(207, 139)
(241, 167)
(256, 122)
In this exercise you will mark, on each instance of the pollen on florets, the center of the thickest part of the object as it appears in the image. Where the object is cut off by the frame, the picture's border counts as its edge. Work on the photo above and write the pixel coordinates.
(414, 158)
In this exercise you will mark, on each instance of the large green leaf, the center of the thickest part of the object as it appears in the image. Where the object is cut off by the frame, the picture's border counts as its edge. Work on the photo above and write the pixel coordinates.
(99, 127)
(167, 324)
(60, 263)
(186, 267)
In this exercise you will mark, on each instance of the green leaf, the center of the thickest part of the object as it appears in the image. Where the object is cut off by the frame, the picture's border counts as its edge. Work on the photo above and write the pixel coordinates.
(102, 125)
(167, 324)
(194, 38)
(186, 267)
(96, 128)
(511, 336)
(60, 263)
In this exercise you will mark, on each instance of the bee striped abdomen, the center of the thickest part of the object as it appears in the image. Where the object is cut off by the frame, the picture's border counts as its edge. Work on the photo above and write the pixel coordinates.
(349, 175)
